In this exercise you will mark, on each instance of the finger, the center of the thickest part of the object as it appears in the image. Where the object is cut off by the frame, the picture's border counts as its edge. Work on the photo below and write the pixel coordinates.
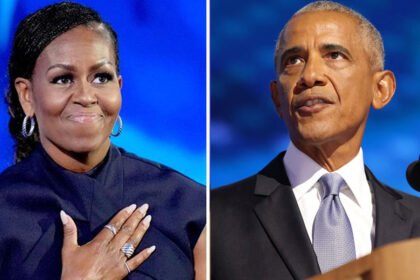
(70, 231)
(117, 221)
(138, 259)
(129, 226)
(141, 229)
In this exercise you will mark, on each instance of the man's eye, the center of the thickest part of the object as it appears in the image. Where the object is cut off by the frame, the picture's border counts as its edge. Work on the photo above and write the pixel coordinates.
(336, 55)
(294, 60)
(102, 78)
(62, 80)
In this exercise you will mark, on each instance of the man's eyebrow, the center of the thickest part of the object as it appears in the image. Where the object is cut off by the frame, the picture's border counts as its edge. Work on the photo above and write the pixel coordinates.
(336, 48)
(289, 52)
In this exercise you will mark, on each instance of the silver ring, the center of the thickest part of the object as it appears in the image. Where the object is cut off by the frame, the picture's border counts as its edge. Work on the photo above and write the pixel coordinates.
(126, 266)
(128, 249)
(111, 228)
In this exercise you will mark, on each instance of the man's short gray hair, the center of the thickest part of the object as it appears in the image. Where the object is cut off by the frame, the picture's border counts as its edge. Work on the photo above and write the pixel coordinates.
(373, 41)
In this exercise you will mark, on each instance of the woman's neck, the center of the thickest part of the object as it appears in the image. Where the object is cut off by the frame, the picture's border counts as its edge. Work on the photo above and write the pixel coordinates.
(79, 162)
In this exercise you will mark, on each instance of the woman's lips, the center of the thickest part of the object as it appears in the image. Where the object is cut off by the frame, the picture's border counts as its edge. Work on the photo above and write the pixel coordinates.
(84, 117)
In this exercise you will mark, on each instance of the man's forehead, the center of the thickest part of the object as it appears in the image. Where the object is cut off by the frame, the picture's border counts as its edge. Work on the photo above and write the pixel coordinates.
(317, 25)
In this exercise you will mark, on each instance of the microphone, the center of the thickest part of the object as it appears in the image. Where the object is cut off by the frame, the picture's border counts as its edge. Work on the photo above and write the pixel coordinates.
(413, 175)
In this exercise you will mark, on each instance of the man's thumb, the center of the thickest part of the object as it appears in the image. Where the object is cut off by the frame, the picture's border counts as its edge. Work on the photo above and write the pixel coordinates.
(70, 231)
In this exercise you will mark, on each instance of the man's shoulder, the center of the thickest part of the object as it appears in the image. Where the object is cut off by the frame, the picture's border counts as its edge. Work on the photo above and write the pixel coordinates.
(399, 194)
(245, 191)
(240, 188)
(234, 199)
(408, 199)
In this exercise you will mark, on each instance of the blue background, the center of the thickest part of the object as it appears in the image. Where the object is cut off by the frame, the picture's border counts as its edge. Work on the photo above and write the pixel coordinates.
(246, 133)
(162, 60)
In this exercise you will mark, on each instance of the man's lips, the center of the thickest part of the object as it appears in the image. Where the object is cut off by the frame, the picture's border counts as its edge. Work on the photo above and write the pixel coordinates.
(311, 103)
(84, 117)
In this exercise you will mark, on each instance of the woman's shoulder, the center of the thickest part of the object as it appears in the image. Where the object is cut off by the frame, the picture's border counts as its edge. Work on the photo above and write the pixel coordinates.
(140, 167)
(171, 195)
(20, 172)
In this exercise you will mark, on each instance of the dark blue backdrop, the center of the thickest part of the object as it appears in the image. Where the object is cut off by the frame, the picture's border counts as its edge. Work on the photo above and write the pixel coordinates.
(162, 53)
(245, 130)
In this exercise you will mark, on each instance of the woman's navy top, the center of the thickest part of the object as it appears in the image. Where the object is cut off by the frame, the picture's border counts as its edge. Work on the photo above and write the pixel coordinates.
(33, 192)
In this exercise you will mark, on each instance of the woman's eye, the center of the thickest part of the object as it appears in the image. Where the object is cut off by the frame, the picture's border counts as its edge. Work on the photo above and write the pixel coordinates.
(63, 80)
(102, 78)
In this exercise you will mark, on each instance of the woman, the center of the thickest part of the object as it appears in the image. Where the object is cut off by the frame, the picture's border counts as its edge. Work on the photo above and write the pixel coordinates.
(64, 99)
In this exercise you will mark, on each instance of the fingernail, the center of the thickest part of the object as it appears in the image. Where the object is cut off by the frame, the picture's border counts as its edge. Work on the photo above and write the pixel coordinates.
(151, 249)
(131, 208)
(64, 218)
(147, 219)
(143, 208)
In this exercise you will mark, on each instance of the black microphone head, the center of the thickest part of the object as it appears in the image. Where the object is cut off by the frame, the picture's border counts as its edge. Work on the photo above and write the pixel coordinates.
(413, 175)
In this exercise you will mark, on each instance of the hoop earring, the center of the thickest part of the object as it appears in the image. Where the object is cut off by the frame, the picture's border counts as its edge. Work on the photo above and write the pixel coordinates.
(24, 132)
(120, 127)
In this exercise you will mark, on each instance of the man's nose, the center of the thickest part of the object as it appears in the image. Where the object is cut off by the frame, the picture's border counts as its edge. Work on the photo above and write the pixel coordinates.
(85, 94)
(313, 73)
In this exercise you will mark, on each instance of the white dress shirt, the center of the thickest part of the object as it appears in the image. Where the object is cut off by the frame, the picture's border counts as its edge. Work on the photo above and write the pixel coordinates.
(356, 198)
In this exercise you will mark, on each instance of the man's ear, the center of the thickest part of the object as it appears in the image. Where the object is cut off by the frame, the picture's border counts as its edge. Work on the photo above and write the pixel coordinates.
(384, 88)
(24, 90)
(275, 96)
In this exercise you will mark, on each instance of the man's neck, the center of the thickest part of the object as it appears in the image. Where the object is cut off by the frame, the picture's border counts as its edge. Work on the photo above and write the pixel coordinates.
(330, 156)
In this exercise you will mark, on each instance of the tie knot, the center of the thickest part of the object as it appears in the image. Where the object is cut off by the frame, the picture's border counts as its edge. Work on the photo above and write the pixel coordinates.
(332, 184)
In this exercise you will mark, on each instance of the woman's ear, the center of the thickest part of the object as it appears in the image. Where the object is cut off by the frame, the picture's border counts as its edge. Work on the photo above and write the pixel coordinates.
(24, 90)
(384, 88)
(120, 81)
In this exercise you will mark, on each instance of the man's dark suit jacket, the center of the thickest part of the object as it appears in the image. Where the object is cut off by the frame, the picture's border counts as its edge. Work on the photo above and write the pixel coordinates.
(257, 231)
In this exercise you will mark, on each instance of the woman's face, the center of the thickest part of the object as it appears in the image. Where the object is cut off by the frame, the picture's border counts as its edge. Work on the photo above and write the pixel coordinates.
(74, 92)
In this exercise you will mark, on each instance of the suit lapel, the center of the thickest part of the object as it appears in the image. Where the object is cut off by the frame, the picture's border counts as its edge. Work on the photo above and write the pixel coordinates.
(393, 219)
(281, 219)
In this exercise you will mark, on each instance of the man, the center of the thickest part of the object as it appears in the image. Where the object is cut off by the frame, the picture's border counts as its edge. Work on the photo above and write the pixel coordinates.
(278, 224)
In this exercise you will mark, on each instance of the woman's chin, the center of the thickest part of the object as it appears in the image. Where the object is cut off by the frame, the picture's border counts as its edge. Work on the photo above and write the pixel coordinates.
(87, 145)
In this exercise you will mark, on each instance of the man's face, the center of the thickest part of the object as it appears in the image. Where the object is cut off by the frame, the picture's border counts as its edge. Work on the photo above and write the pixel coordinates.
(325, 83)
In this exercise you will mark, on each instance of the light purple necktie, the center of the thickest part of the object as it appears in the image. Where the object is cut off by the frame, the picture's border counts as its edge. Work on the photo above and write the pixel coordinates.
(332, 233)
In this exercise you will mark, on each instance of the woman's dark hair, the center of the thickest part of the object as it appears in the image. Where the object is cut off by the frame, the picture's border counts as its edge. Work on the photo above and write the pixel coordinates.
(33, 35)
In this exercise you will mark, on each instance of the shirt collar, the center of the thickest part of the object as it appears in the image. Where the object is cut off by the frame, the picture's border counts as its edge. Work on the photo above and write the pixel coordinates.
(304, 172)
